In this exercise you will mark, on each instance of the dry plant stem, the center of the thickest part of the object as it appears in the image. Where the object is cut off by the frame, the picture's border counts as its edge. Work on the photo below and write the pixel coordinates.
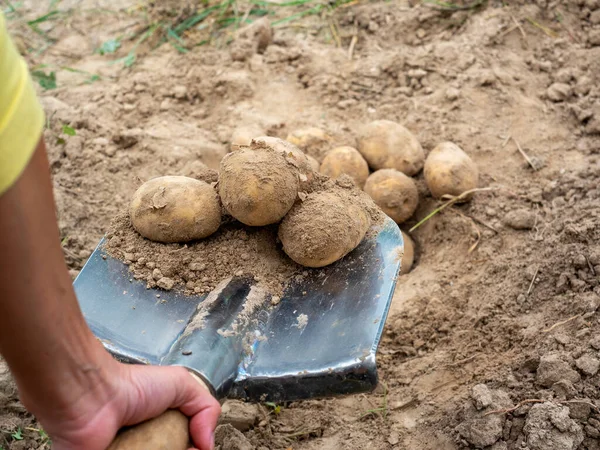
(545, 30)
(537, 269)
(537, 400)
(351, 47)
(562, 322)
(514, 408)
(518, 25)
(527, 158)
(450, 202)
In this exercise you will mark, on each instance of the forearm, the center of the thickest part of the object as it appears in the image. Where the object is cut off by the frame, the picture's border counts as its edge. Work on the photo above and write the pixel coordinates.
(43, 335)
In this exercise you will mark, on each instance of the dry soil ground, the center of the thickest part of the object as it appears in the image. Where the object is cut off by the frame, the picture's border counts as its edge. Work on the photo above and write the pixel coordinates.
(512, 322)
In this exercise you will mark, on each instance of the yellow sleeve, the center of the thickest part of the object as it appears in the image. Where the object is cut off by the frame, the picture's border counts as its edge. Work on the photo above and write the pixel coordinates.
(21, 115)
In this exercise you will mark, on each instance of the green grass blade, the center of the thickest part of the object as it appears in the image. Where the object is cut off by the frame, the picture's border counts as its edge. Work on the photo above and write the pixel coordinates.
(43, 18)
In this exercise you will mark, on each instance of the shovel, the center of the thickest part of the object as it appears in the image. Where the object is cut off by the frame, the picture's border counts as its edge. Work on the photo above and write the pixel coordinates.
(319, 340)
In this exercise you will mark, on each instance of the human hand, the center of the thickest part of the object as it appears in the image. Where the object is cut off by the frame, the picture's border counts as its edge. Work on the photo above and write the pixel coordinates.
(127, 395)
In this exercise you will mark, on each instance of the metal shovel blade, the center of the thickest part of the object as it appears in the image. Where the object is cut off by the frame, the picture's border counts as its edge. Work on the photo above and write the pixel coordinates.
(320, 340)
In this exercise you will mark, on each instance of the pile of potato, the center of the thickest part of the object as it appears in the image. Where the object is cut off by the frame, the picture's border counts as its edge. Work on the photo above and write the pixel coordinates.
(264, 183)
(263, 178)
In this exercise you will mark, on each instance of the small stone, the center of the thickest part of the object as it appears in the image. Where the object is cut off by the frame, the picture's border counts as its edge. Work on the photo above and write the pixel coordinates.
(482, 396)
(588, 365)
(180, 92)
(417, 73)
(595, 342)
(583, 87)
(564, 75)
(594, 37)
(559, 92)
(151, 265)
(156, 274)
(452, 94)
(553, 369)
(101, 142)
(520, 219)
(197, 267)
(595, 17)
(580, 261)
(165, 105)
(275, 300)
(239, 273)
(394, 438)
(165, 283)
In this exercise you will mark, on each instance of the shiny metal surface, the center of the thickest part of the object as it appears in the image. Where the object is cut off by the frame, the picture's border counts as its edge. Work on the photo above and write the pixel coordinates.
(320, 340)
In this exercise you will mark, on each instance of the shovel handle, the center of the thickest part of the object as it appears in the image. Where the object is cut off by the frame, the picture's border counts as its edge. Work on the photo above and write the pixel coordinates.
(169, 431)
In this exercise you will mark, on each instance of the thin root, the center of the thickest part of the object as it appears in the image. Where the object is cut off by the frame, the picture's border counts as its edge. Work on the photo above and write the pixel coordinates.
(558, 324)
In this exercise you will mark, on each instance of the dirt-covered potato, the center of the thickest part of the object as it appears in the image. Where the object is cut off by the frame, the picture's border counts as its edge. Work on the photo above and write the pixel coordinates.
(450, 171)
(312, 141)
(388, 145)
(395, 193)
(323, 228)
(409, 254)
(258, 185)
(242, 136)
(175, 209)
(346, 160)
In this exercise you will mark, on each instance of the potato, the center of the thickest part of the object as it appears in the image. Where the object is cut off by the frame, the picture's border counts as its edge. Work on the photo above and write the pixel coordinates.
(312, 141)
(323, 228)
(242, 136)
(346, 160)
(450, 171)
(388, 145)
(258, 185)
(314, 164)
(395, 193)
(408, 258)
(175, 209)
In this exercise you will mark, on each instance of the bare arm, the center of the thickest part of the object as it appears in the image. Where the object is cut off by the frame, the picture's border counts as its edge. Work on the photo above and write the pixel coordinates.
(65, 377)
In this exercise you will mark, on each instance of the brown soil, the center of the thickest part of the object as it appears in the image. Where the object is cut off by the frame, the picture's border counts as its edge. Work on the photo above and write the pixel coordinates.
(471, 333)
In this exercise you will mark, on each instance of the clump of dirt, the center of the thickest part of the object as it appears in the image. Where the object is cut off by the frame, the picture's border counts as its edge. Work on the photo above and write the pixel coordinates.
(198, 267)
